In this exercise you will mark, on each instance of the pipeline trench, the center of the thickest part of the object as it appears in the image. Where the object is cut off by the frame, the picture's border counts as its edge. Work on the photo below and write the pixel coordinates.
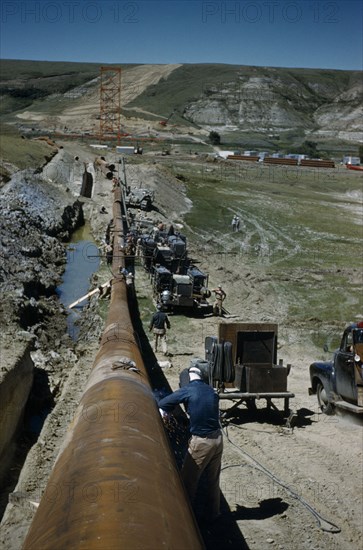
(116, 459)
(310, 459)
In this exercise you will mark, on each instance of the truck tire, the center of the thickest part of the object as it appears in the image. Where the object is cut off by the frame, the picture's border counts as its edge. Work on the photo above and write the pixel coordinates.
(325, 406)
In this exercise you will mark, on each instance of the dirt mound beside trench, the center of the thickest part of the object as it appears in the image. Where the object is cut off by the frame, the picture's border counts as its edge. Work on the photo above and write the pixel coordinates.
(270, 469)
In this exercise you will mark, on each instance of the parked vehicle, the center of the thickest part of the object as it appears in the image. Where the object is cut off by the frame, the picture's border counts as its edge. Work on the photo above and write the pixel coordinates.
(339, 383)
(140, 198)
(244, 366)
(175, 291)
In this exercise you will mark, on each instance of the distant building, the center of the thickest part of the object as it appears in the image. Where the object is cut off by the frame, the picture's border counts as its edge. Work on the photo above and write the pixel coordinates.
(262, 155)
(225, 154)
(354, 161)
(125, 150)
(296, 156)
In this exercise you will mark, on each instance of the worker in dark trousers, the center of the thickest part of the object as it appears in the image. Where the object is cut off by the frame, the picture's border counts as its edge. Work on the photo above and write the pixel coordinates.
(205, 446)
(159, 324)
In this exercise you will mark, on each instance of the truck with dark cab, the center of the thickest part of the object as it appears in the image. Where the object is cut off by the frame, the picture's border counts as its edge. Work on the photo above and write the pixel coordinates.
(339, 383)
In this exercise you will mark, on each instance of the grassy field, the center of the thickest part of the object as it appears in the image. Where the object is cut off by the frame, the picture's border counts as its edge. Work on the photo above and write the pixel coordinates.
(193, 82)
(301, 229)
(42, 86)
(24, 82)
(21, 152)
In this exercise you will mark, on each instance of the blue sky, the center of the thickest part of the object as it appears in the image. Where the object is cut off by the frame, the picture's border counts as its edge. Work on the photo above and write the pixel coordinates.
(301, 33)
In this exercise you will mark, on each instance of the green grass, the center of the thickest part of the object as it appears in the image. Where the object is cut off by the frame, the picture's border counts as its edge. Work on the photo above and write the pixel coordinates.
(22, 69)
(23, 82)
(40, 85)
(190, 83)
(21, 152)
(302, 229)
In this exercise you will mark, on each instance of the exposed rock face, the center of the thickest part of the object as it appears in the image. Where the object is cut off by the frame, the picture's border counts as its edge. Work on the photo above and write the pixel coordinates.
(226, 98)
(36, 216)
(281, 102)
(15, 385)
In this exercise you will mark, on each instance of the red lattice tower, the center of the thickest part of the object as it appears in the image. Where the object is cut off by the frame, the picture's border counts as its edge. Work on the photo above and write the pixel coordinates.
(110, 103)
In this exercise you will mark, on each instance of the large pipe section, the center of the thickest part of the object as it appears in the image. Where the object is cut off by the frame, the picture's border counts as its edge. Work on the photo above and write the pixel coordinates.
(106, 169)
(115, 483)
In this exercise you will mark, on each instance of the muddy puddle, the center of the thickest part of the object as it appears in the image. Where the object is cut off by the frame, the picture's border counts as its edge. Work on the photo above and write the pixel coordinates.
(82, 262)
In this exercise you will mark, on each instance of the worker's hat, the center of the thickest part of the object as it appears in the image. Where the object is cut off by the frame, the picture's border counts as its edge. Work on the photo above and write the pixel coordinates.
(195, 373)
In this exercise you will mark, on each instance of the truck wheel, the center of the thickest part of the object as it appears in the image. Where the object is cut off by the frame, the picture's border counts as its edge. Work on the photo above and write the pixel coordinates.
(325, 406)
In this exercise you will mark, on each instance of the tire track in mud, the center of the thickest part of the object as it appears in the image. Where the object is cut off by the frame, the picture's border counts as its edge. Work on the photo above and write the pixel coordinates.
(256, 293)
(271, 240)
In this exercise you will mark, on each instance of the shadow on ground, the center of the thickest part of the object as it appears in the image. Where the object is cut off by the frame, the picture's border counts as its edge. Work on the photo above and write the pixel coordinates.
(265, 415)
(225, 533)
(226, 528)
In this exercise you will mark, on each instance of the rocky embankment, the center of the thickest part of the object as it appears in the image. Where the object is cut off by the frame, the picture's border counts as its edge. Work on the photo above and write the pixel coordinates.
(278, 480)
(37, 217)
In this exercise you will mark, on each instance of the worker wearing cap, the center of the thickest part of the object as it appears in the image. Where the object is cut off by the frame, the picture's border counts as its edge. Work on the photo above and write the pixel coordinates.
(205, 446)
(158, 324)
(220, 297)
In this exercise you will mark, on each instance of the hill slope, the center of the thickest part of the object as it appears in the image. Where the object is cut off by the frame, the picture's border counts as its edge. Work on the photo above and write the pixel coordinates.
(236, 101)
(261, 99)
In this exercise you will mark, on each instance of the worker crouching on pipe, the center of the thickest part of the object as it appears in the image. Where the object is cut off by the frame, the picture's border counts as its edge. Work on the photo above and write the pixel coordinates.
(205, 446)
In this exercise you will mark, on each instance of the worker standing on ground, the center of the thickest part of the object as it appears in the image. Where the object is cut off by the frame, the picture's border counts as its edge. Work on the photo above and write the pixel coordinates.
(159, 324)
(220, 296)
(205, 446)
(234, 223)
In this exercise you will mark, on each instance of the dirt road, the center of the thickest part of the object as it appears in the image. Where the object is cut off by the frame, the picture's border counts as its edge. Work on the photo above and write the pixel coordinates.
(284, 486)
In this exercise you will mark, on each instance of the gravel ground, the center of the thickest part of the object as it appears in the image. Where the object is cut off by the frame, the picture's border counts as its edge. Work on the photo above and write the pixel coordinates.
(283, 485)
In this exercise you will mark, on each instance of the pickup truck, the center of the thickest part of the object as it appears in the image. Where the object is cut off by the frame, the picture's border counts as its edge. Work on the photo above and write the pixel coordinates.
(339, 383)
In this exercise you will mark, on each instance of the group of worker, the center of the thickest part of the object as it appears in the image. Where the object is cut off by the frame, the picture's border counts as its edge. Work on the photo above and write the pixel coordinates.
(205, 447)
(160, 322)
(127, 275)
(201, 402)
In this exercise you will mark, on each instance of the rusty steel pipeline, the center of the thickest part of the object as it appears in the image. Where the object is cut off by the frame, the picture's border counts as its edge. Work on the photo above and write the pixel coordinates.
(106, 169)
(115, 483)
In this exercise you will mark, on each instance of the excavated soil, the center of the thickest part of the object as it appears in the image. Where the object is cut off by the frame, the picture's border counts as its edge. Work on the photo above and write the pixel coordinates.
(285, 484)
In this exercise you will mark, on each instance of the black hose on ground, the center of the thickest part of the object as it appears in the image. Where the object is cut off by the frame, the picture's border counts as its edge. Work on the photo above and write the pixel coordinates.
(324, 524)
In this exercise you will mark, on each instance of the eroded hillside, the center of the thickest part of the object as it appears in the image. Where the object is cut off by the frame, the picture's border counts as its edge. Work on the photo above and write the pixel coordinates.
(237, 101)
